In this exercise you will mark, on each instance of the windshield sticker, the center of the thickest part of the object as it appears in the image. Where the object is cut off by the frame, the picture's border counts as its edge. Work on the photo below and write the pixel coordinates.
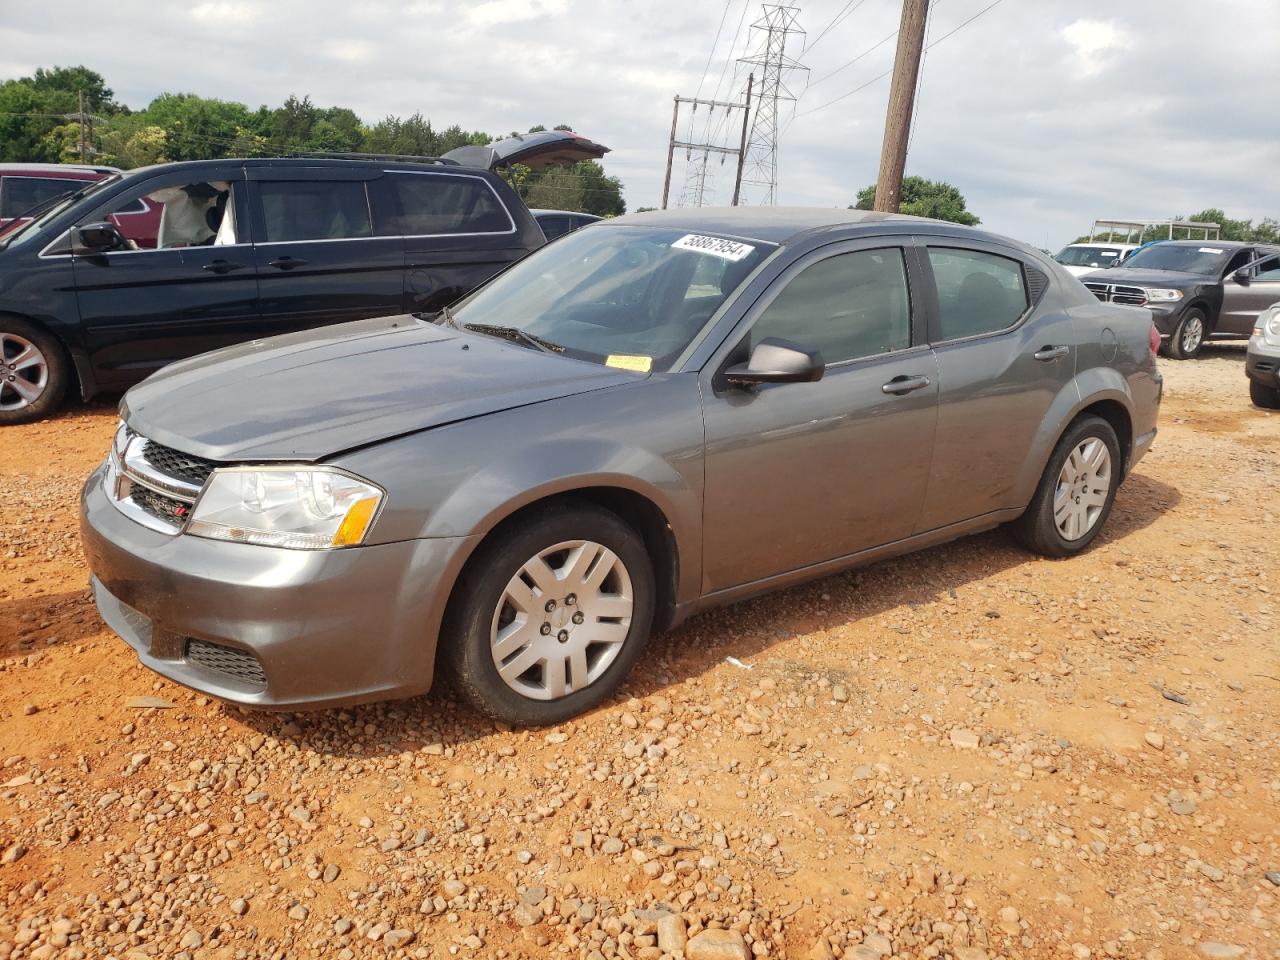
(625, 362)
(1211, 250)
(724, 249)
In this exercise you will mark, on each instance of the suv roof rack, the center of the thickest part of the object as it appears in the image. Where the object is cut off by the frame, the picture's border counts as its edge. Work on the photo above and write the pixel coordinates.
(1130, 228)
(378, 157)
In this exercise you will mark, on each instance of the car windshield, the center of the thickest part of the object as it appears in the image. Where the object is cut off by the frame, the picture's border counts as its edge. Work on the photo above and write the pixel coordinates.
(629, 297)
(1204, 259)
(31, 228)
(1088, 256)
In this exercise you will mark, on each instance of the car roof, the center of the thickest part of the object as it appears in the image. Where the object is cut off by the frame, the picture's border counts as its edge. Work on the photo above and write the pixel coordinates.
(770, 224)
(545, 212)
(75, 171)
(1217, 244)
(348, 162)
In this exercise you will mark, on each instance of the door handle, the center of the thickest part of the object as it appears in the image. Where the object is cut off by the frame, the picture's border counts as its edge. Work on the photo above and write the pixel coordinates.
(222, 266)
(1045, 354)
(286, 263)
(904, 384)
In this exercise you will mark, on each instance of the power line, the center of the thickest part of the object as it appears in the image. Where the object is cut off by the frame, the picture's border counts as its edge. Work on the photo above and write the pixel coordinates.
(712, 52)
(861, 87)
(844, 14)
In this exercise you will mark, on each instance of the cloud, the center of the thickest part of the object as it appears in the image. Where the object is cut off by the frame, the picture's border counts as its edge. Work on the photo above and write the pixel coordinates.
(224, 12)
(1093, 42)
(349, 51)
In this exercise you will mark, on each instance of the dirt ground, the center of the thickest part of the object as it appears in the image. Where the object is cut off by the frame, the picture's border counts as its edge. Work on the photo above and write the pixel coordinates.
(966, 753)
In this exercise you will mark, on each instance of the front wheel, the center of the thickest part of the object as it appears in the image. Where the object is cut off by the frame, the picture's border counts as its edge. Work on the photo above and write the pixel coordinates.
(1189, 335)
(1264, 396)
(1076, 492)
(551, 615)
(33, 371)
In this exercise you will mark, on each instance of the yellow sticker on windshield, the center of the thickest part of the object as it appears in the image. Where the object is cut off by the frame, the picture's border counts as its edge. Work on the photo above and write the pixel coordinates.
(624, 362)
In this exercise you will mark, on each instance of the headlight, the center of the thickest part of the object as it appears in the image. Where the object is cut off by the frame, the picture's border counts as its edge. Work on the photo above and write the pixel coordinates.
(121, 439)
(302, 508)
(1269, 325)
(1162, 295)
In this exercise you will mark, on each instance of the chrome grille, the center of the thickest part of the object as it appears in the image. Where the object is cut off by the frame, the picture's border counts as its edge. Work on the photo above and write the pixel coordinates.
(231, 661)
(177, 464)
(1117, 293)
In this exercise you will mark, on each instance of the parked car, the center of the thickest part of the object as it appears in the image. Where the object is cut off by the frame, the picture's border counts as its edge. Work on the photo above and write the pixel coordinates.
(662, 413)
(1262, 361)
(556, 223)
(1082, 258)
(245, 249)
(28, 186)
(1196, 290)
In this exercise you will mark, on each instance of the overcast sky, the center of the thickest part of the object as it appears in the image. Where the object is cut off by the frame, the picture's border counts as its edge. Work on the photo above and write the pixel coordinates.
(1046, 114)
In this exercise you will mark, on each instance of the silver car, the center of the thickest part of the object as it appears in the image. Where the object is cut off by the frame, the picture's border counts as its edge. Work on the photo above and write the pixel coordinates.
(656, 415)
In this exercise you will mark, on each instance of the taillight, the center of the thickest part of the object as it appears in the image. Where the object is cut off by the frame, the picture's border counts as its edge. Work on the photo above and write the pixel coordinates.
(1154, 340)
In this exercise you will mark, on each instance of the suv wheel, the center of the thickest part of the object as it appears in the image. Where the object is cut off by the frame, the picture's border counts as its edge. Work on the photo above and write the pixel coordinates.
(551, 616)
(1076, 491)
(1189, 336)
(33, 371)
(1264, 396)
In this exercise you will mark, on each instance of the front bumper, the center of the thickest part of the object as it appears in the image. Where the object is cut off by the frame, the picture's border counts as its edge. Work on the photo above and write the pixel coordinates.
(1262, 363)
(1166, 316)
(267, 627)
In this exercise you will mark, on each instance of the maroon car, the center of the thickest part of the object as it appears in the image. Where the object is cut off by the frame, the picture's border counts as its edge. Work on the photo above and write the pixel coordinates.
(25, 187)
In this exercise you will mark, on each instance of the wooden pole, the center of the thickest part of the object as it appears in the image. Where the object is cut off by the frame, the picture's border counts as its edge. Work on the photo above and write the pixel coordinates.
(83, 150)
(742, 146)
(902, 96)
(671, 152)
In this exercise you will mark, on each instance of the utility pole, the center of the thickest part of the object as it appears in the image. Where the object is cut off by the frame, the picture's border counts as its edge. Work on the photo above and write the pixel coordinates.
(706, 149)
(902, 97)
(84, 146)
(778, 24)
(85, 120)
(742, 145)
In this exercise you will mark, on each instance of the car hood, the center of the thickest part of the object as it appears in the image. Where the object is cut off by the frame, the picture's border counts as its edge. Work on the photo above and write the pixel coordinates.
(309, 395)
(1147, 278)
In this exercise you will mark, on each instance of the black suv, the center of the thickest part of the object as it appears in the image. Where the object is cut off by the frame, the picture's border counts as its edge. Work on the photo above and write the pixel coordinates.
(1196, 290)
(243, 249)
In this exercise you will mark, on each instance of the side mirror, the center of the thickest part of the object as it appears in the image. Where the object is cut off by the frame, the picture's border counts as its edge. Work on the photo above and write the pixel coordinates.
(96, 238)
(774, 360)
(1113, 263)
(1241, 277)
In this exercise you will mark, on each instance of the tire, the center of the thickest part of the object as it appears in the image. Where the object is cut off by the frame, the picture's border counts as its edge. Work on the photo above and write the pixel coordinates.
(1263, 396)
(1189, 336)
(497, 594)
(34, 371)
(1038, 529)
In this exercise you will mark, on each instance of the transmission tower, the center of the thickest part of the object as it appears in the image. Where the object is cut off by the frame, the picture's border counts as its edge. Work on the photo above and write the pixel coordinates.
(778, 23)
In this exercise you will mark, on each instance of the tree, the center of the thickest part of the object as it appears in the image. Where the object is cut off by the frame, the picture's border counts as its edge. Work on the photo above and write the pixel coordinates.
(556, 189)
(201, 128)
(596, 192)
(925, 198)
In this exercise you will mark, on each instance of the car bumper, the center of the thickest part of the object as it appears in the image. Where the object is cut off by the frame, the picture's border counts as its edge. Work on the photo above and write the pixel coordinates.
(1262, 363)
(266, 627)
(1166, 317)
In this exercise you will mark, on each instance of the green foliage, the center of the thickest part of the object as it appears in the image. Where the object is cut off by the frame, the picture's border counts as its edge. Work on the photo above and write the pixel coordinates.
(1267, 230)
(556, 189)
(197, 128)
(925, 198)
(595, 192)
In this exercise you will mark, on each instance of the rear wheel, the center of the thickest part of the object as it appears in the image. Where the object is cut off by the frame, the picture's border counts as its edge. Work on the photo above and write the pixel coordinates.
(33, 371)
(1076, 491)
(551, 616)
(1189, 336)
(1264, 396)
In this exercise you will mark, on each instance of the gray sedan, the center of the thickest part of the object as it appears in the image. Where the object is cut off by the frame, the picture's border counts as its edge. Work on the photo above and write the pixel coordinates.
(663, 413)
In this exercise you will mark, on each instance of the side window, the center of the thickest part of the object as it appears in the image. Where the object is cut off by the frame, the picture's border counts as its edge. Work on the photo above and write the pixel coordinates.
(1241, 259)
(977, 292)
(847, 306)
(425, 204)
(553, 227)
(314, 209)
(196, 214)
(1268, 269)
(20, 194)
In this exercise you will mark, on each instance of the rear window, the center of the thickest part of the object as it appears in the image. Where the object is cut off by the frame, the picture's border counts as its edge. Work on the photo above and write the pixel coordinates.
(314, 210)
(428, 204)
(19, 194)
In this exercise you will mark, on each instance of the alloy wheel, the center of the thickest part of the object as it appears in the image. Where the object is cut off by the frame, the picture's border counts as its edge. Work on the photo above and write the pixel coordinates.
(562, 620)
(24, 372)
(1084, 484)
(1192, 334)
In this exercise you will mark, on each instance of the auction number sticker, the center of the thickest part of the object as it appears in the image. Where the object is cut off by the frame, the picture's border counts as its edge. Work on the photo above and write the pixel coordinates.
(1212, 250)
(626, 362)
(716, 246)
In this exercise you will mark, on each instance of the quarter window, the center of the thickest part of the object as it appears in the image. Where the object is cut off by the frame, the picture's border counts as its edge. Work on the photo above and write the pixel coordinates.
(425, 204)
(847, 306)
(314, 210)
(977, 292)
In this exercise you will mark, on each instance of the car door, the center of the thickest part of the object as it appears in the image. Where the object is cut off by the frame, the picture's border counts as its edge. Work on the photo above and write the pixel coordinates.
(1000, 366)
(801, 473)
(318, 258)
(456, 231)
(1249, 291)
(196, 290)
